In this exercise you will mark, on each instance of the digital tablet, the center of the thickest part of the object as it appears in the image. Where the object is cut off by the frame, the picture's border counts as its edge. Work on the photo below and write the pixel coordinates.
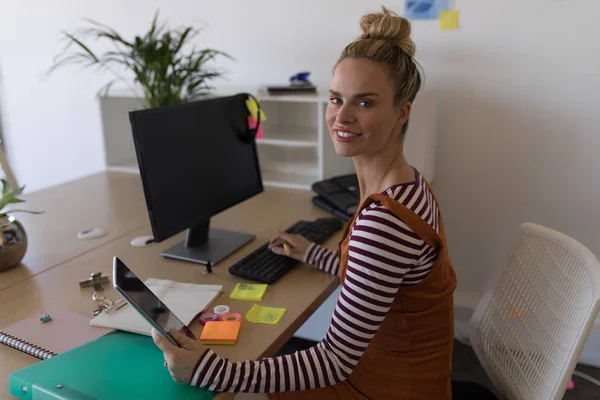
(136, 293)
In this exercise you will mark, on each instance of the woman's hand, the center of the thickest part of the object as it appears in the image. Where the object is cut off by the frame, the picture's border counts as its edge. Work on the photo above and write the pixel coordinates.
(180, 361)
(293, 246)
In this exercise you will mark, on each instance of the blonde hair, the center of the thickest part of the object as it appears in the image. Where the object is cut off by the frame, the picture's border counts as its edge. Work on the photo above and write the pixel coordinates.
(386, 39)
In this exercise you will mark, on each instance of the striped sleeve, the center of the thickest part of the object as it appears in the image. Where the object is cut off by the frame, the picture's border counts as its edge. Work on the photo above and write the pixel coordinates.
(382, 249)
(324, 259)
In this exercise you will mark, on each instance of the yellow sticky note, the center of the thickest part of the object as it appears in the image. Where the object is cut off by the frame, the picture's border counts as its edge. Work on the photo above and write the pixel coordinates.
(265, 315)
(248, 291)
(253, 109)
(448, 20)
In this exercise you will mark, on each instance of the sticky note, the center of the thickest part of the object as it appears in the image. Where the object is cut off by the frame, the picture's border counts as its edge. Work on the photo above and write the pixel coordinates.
(265, 315)
(448, 20)
(252, 124)
(220, 332)
(253, 109)
(248, 291)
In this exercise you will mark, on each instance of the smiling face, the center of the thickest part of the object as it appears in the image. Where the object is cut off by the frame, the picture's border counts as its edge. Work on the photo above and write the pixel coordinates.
(361, 114)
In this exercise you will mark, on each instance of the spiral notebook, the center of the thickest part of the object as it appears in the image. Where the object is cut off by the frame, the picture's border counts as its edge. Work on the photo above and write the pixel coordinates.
(65, 331)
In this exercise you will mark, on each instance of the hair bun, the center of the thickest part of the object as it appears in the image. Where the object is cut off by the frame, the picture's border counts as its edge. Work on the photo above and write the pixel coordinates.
(388, 25)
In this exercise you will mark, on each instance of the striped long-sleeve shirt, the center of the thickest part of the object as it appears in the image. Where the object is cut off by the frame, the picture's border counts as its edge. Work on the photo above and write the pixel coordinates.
(384, 254)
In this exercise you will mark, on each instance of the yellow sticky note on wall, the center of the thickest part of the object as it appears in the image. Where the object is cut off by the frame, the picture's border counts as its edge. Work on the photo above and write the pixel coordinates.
(265, 315)
(449, 20)
(253, 109)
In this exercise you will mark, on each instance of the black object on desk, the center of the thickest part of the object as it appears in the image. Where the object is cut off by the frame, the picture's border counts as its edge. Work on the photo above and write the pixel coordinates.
(264, 266)
(322, 202)
(339, 195)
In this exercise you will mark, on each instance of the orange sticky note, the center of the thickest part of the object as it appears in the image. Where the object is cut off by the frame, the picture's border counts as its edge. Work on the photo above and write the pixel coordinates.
(252, 124)
(220, 332)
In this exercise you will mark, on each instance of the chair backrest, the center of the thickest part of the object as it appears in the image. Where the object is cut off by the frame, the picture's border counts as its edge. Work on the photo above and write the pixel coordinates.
(530, 327)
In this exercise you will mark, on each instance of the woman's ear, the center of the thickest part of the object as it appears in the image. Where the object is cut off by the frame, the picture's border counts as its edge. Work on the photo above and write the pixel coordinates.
(403, 112)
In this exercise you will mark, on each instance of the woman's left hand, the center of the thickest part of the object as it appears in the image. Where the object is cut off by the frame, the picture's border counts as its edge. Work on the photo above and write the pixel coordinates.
(180, 361)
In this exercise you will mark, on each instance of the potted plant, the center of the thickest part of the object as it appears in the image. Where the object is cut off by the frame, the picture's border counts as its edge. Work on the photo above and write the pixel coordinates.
(13, 238)
(163, 68)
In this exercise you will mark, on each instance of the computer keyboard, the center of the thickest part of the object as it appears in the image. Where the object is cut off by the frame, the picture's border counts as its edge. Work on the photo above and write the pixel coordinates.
(262, 265)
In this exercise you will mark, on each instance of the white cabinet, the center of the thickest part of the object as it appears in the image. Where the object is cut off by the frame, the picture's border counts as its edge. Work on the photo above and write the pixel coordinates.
(296, 149)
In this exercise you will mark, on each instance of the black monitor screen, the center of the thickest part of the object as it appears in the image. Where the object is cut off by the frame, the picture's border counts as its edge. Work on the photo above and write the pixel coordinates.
(193, 161)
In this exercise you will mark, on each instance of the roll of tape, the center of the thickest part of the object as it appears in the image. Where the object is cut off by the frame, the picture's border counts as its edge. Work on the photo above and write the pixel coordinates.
(231, 316)
(206, 317)
(220, 310)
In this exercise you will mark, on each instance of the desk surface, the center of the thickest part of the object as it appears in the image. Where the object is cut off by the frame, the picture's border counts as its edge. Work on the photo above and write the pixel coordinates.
(300, 291)
(112, 201)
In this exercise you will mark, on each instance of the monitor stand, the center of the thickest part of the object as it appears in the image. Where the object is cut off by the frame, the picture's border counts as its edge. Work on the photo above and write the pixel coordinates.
(204, 244)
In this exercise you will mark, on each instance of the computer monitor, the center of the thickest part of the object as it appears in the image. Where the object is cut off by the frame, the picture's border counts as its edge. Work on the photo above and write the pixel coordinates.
(196, 160)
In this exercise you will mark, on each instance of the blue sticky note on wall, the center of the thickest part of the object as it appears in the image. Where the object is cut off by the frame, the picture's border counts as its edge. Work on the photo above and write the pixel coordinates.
(425, 9)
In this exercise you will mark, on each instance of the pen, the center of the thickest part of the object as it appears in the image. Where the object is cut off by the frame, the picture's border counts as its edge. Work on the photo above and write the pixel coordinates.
(286, 247)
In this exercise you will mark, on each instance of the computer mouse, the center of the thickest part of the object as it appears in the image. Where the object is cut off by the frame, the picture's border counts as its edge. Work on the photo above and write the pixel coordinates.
(142, 241)
(92, 233)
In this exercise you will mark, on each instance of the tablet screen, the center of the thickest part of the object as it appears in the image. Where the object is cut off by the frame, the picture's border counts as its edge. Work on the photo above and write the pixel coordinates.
(146, 302)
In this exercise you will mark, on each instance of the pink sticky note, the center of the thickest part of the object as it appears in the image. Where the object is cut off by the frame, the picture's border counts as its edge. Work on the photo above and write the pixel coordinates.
(252, 125)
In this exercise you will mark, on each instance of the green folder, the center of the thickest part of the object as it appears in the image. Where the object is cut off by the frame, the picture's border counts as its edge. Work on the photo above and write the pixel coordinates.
(119, 365)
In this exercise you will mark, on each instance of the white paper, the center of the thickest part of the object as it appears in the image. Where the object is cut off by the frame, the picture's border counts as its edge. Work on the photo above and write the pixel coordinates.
(185, 300)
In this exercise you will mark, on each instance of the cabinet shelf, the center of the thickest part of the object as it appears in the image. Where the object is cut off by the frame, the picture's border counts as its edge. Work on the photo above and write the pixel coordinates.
(289, 136)
(287, 142)
(128, 167)
(288, 180)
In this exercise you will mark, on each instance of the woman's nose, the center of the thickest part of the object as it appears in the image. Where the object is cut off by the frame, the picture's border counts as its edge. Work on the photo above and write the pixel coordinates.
(345, 115)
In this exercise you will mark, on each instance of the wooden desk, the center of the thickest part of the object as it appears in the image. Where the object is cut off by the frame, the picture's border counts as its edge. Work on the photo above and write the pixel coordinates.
(112, 201)
(300, 291)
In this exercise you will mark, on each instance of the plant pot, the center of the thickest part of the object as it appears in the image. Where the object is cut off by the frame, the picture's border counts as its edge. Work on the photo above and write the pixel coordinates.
(13, 243)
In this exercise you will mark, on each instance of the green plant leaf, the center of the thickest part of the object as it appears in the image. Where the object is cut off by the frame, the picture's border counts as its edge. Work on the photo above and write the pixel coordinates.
(5, 187)
(83, 46)
(8, 199)
(25, 211)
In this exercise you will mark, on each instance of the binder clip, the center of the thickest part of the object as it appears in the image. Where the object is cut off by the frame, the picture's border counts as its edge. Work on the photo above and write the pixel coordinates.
(45, 317)
(106, 305)
(207, 269)
(96, 280)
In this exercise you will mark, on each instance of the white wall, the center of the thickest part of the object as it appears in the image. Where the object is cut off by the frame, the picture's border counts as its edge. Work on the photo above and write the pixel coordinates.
(518, 84)
(519, 135)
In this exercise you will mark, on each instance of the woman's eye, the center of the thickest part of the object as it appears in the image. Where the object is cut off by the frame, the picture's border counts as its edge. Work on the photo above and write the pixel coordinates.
(365, 103)
(335, 100)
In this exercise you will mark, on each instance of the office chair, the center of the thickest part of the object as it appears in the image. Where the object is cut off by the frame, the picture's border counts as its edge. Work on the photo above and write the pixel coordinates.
(530, 327)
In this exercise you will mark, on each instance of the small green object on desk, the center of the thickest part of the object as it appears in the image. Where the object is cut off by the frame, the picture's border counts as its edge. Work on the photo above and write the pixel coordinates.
(45, 318)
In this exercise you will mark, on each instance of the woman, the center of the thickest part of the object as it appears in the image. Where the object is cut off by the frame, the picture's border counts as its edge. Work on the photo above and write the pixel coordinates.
(391, 334)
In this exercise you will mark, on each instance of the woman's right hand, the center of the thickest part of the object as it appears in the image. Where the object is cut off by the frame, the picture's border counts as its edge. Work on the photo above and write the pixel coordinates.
(297, 245)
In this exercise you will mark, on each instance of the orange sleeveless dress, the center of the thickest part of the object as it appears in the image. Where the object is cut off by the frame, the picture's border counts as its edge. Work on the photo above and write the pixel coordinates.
(410, 356)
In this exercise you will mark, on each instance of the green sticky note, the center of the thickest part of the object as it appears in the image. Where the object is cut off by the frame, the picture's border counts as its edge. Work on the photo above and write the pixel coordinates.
(248, 291)
(449, 20)
(265, 315)
(253, 109)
